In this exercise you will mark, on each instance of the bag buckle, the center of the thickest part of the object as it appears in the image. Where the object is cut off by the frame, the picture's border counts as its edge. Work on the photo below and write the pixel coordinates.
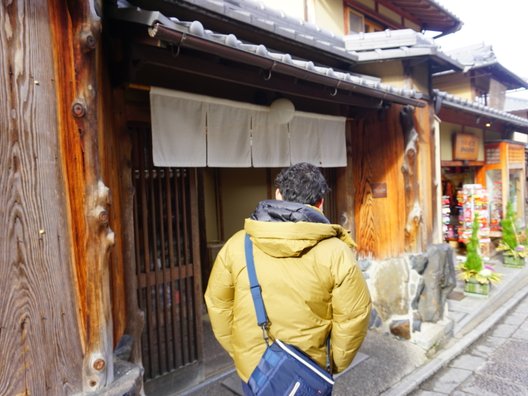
(265, 334)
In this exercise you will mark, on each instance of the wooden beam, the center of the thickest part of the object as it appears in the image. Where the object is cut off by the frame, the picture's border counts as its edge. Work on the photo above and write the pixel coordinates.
(76, 33)
(152, 59)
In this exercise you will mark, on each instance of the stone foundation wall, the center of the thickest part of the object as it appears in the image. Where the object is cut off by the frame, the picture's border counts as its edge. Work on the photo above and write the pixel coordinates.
(409, 290)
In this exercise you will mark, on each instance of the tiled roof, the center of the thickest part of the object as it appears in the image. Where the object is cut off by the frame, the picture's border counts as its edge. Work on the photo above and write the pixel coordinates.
(479, 109)
(481, 55)
(513, 104)
(429, 13)
(368, 85)
(257, 14)
(394, 44)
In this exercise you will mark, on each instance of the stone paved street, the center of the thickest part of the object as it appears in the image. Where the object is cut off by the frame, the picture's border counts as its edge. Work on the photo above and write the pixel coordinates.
(497, 364)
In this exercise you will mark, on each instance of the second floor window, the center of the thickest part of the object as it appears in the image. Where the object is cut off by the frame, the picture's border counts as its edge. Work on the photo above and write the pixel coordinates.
(357, 23)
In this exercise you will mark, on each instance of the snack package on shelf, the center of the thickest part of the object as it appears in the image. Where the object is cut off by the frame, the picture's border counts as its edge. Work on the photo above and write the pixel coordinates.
(473, 199)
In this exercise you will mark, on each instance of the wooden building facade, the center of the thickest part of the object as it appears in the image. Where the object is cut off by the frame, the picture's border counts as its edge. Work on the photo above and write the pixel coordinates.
(105, 252)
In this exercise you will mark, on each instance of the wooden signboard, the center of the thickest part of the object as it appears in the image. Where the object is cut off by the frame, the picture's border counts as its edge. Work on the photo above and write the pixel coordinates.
(466, 147)
(379, 190)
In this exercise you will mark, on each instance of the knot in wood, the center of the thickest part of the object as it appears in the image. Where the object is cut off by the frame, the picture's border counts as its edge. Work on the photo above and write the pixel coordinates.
(88, 40)
(103, 216)
(78, 109)
(99, 364)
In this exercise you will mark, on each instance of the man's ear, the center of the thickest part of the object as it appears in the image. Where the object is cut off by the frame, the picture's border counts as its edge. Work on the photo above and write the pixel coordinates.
(278, 195)
(319, 204)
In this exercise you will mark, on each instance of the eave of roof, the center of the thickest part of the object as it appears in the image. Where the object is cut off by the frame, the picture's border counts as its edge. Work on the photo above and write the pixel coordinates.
(397, 44)
(504, 75)
(431, 14)
(192, 34)
(256, 15)
(446, 99)
(481, 56)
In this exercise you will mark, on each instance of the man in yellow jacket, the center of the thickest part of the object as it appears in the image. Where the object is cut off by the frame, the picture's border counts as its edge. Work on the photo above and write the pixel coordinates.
(311, 284)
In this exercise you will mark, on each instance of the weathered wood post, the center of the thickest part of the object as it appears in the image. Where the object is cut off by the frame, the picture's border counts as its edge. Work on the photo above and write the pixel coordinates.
(410, 175)
(76, 31)
(92, 213)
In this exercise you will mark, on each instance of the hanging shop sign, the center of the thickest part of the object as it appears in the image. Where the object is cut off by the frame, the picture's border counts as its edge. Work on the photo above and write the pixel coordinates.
(466, 146)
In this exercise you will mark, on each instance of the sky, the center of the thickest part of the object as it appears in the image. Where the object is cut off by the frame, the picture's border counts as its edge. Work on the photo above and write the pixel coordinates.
(501, 24)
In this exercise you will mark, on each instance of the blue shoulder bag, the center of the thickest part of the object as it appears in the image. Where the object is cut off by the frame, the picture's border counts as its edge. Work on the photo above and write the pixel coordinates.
(283, 369)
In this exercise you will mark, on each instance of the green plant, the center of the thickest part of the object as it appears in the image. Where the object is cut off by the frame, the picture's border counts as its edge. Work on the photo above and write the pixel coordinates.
(473, 269)
(510, 243)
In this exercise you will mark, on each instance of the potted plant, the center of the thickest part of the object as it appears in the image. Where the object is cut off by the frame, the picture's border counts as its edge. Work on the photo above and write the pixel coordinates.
(514, 252)
(476, 276)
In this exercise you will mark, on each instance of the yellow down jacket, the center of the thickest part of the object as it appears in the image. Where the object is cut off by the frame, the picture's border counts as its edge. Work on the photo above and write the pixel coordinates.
(311, 287)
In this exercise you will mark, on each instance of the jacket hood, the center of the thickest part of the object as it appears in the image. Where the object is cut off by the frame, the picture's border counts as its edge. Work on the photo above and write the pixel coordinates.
(274, 210)
(288, 229)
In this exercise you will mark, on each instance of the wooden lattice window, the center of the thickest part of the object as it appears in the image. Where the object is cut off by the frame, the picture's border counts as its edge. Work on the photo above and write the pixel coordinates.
(167, 262)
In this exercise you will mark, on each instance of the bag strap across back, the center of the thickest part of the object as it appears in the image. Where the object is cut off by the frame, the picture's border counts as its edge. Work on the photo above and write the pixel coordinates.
(256, 294)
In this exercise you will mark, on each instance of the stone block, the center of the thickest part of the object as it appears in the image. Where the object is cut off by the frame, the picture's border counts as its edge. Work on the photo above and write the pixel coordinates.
(504, 331)
(439, 280)
(447, 380)
(515, 319)
(468, 362)
(388, 286)
(433, 335)
(521, 333)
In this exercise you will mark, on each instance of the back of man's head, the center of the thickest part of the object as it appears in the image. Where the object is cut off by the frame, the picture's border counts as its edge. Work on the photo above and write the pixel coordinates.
(302, 183)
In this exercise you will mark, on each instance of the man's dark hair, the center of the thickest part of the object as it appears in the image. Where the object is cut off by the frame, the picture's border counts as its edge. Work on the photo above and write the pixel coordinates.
(302, 183)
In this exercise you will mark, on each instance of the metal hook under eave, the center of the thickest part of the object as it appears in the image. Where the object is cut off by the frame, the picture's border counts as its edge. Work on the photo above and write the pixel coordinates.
(268, 77)
(335, 89)
(176, 52)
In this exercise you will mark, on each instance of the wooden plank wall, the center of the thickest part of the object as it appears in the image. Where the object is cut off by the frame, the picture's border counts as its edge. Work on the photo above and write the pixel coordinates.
(39, 325)
(380, 152)
(376, 149)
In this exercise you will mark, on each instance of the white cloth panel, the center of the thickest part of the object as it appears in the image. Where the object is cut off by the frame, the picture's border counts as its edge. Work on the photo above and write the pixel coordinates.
(270, 142)
(239, 134)
(178, 130)
(304, 140)
(228, 136)
(332, 139)
(318, 139)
